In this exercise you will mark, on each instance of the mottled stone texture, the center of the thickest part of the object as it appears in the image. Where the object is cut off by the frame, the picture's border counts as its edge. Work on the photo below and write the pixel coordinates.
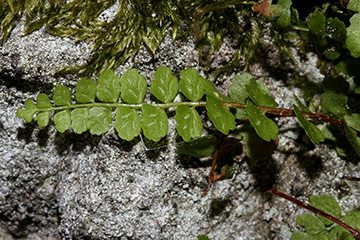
(68, 186)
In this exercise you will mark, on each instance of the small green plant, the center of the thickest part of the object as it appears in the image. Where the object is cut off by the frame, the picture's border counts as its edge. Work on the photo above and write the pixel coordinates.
(328, 223)
(249, 102)
(249, 98)
(137, 24)
(202, 237)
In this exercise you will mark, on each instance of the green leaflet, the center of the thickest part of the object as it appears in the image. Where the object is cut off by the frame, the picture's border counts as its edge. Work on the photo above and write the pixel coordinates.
(334, 103)
(189, 124)
(154, 122)
(352, 218)
(335, 136)
(332, 43)
(311, 223)
(25, 114)
(349, 67)
(259, 96)
(328, 34)
(285, 16)
(85, 91)
(301, 236)
(330, 48)
(264, 127)
(353, 120)
(30, 105)
(127, 123)
(43, 118)
(222, 118)
(99, 120)
(316, 25)
(211, 90)
(301, 105)
(108, 87)
(328, 204)
(353, 35)
(334, 100)
(199, 147)
(43, 101)
(314, 133)
(341, 233)
(352, 138)
(28, 112)
(62, 120)
(336, 29)
(79, 120)
(133, 86)
(335, 84)
(191, 84)
(354, 5)
(237, 91)
(165, 86)
(61, 96)
(259, 93)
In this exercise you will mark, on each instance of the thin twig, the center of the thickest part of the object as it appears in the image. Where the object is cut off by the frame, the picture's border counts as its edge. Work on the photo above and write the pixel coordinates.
(353, 231)
(352, 178)
(223, 145)
(211, 175)
(284, 112)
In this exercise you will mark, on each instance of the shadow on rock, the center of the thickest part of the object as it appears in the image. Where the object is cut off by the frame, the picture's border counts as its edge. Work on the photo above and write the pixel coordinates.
(75, 142)
(264, 172)
(16, 79)
(312, 165)
(25, 133)
(187, 161)
(218, 207)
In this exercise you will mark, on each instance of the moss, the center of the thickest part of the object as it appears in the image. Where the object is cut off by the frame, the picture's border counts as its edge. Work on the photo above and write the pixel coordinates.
(141, 23)
(137, 23)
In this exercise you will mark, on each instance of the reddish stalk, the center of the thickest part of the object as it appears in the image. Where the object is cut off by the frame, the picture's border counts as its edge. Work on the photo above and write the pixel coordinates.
(283, 112)
(352, 178)
(211, 175)
(353, 231)
(223, 145)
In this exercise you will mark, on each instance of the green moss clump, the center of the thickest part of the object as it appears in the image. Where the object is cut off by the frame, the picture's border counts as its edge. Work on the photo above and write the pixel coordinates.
(138, 23)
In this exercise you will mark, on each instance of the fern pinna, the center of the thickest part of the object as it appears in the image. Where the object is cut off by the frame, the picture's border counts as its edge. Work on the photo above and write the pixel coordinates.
(249, 101)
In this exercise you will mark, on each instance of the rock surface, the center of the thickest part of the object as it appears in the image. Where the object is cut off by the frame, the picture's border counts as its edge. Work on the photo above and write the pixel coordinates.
(68, 186)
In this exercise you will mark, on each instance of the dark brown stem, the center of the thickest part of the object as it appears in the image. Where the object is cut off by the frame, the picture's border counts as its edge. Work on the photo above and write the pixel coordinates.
(224, 144)
(353, 231)
(211, 175)
(283, 112)
(352, 178)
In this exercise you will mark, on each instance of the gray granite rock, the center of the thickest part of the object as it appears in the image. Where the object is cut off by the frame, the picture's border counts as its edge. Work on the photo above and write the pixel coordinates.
(68, 186)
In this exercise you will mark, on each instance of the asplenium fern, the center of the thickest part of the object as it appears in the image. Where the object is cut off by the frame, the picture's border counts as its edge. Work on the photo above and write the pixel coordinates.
(95, 116)
(125, 95)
